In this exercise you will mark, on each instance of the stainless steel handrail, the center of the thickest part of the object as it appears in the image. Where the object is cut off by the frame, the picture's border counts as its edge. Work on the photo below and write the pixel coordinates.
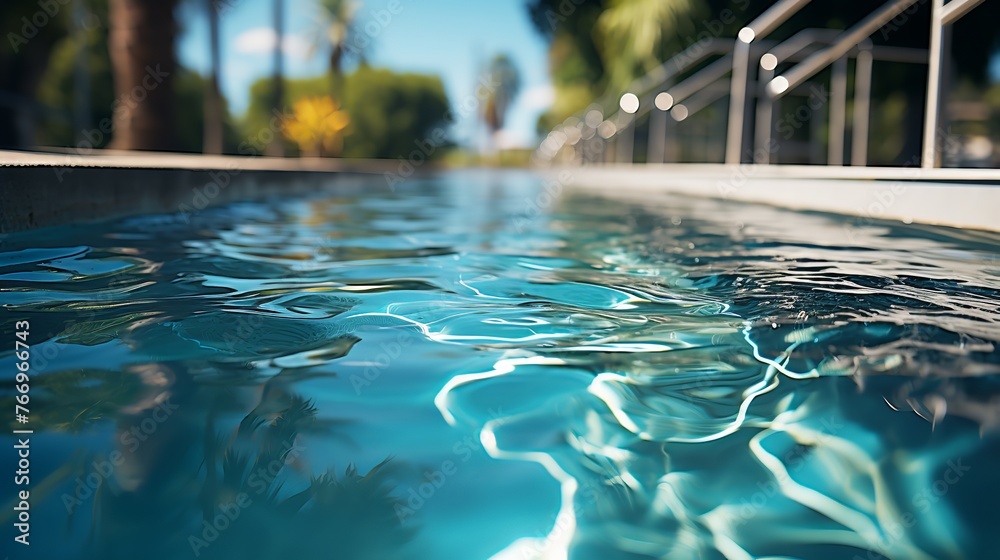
(757, 29)
(942, 16)
(786, 51)
(846, 41)
(696, 92)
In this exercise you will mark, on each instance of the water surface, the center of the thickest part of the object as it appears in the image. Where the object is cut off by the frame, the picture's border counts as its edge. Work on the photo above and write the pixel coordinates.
(475, 366)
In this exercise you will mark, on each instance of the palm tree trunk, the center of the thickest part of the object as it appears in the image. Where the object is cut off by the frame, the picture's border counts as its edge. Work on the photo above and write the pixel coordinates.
(277, 148)
(212, 104)
(81, 73)
(143, 61)
(337, 69)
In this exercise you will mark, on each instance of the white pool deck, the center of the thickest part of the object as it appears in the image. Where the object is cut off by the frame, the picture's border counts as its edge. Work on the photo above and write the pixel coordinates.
(968, 198)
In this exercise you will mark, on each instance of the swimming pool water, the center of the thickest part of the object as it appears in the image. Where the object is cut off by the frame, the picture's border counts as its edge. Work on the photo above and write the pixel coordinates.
(475, 366)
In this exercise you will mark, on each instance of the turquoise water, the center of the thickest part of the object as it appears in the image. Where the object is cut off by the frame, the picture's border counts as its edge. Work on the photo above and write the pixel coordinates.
(477, 366)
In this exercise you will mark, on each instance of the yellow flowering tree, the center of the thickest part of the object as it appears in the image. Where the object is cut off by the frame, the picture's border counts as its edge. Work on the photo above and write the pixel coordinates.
(318, 125)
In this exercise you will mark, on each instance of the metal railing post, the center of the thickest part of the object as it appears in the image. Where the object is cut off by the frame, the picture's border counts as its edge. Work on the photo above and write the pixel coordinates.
(838, 112)
(930, 155)
(763, 128)
(862, 108)
(624, 138)
(657, 136)
(737, 98)
(764, 122)
(757, 29)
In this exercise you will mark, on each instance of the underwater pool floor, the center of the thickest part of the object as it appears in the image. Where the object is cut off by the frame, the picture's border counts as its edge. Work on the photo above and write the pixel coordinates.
(487, 366)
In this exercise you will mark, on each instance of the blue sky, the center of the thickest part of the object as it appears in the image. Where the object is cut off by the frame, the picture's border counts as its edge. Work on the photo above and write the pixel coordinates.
(450, 38)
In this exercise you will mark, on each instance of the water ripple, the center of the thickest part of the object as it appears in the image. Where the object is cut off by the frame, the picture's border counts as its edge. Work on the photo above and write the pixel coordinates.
(650, 378)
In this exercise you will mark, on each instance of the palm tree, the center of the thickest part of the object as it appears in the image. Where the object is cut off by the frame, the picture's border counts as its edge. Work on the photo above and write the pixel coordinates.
(141, 44)
(276, 148)
(212, 104)
(632, 34)
(503, 73)
(339, 18)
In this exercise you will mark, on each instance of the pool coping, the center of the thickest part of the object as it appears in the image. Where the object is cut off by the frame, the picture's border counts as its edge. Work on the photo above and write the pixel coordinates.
(104, 184)
(965, 198)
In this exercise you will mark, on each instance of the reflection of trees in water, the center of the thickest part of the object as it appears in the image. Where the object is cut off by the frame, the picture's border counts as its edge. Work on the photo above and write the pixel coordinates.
(182, 490)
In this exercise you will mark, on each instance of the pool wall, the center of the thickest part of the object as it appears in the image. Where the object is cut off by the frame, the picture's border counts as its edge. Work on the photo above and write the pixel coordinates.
(40, 190)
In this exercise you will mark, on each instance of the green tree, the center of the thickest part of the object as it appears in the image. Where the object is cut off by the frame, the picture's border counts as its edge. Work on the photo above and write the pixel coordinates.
(340, 21)
(24, 58)
(190, 89)
(388, 111)
(56, 91)
(575, 64)
(632, 35)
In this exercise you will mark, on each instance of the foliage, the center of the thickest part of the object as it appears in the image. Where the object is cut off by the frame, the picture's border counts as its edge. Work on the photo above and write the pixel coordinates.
(253, 476)
(392, 111)
(24, 58)
(341, 33)
(57, 89)
(189, 89)
(576, 66)
(644, 27)
(317, 125)
(388, 111)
